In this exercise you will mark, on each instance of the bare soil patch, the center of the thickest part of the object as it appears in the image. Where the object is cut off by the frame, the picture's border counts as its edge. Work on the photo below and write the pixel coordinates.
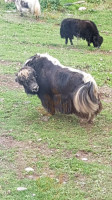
(93, 158)
(8, 82)
(106, 94)
(6, 62)
(26, 155)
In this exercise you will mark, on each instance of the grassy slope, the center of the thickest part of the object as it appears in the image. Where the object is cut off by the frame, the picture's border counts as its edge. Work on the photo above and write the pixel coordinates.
(22, 124)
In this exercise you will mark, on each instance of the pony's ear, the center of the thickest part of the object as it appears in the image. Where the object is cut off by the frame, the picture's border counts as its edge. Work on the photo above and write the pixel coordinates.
(16, 79)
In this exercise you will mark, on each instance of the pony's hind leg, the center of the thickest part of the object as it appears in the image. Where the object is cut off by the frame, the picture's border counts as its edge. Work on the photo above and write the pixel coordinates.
(71, 41)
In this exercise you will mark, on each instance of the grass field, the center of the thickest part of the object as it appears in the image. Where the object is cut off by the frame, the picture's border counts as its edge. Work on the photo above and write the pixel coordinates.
(71, 159)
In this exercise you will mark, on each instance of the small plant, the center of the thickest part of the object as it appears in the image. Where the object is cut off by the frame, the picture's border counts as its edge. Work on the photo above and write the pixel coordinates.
(50, 4)
(10, 6)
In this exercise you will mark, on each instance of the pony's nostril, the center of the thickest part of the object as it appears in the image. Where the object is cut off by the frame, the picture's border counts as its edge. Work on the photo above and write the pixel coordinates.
(35, 88)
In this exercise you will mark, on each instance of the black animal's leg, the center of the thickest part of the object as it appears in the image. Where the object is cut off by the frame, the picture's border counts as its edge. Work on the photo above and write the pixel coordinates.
(88, 41)
(66, 40)
(71, 41)
(89, 44)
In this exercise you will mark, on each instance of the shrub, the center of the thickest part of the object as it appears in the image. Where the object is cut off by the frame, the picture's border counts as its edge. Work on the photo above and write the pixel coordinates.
(50, 4)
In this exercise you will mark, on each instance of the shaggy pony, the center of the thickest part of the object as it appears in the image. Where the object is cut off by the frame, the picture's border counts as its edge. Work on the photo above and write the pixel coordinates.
(23, 6)
(84, 29)
(60, 89)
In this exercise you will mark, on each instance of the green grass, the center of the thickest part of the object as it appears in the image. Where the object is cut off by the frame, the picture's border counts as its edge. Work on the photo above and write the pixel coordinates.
(50, 147)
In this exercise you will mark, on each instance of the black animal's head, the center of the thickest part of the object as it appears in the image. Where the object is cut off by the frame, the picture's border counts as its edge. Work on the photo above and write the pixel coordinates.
(97, 41)
(27, 78)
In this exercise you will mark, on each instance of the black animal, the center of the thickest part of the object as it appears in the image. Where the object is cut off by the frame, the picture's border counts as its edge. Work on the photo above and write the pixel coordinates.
(60, 89)
(84, 29)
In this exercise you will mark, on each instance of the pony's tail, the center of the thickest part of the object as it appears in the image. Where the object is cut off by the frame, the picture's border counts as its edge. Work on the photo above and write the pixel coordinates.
(86, 100)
